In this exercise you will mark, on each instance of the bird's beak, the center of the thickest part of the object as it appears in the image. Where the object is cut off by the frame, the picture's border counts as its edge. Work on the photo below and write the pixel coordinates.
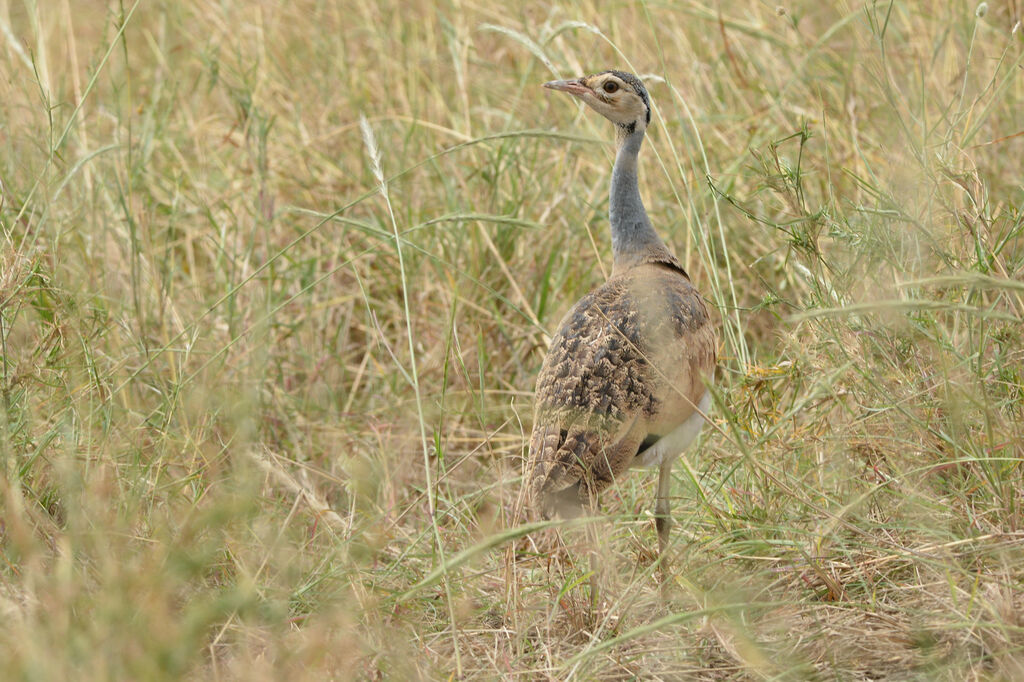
(573, 87)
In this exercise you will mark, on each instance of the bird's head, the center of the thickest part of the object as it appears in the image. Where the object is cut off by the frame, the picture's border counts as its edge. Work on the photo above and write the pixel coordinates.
(618, 96)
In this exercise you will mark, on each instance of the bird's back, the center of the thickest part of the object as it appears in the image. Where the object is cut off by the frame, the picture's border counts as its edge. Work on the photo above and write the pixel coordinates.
(626, 365)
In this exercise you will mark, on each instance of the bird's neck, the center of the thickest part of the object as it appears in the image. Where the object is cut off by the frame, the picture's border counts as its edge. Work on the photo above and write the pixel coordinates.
(634, 240)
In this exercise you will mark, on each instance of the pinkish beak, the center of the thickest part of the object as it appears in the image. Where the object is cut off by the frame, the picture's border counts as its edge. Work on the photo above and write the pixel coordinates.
(573, 87)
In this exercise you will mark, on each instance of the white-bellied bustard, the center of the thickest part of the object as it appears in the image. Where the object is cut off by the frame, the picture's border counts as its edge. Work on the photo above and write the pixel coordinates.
(623, 383)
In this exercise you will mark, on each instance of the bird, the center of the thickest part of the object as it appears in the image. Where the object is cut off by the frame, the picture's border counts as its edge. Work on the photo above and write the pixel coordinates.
(625, 381)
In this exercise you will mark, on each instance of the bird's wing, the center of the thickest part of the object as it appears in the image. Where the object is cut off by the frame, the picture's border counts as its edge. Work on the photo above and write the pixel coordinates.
(592, 396)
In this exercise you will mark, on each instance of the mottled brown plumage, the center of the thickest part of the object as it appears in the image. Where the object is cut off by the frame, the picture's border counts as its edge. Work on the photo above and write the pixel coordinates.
(625, 365)
(623, 380)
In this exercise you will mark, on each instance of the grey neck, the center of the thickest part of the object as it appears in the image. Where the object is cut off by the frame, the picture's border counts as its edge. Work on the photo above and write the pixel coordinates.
(633, 237)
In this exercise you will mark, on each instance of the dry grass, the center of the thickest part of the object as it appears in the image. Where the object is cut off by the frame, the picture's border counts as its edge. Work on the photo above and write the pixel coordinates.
(263, 404)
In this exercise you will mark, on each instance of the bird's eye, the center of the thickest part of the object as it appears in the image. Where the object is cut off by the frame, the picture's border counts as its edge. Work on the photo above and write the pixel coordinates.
(610, 87)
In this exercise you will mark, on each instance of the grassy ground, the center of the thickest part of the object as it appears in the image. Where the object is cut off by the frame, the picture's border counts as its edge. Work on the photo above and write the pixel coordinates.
(267, 368)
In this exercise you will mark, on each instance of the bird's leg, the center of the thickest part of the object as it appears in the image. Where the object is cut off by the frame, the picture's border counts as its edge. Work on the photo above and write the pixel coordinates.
(662, 514)
(595, 560)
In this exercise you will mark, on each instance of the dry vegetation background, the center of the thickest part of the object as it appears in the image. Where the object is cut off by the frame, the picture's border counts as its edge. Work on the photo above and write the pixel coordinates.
(264, 400)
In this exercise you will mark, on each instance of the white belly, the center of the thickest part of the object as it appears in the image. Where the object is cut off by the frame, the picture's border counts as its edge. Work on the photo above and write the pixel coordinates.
(674, 443)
